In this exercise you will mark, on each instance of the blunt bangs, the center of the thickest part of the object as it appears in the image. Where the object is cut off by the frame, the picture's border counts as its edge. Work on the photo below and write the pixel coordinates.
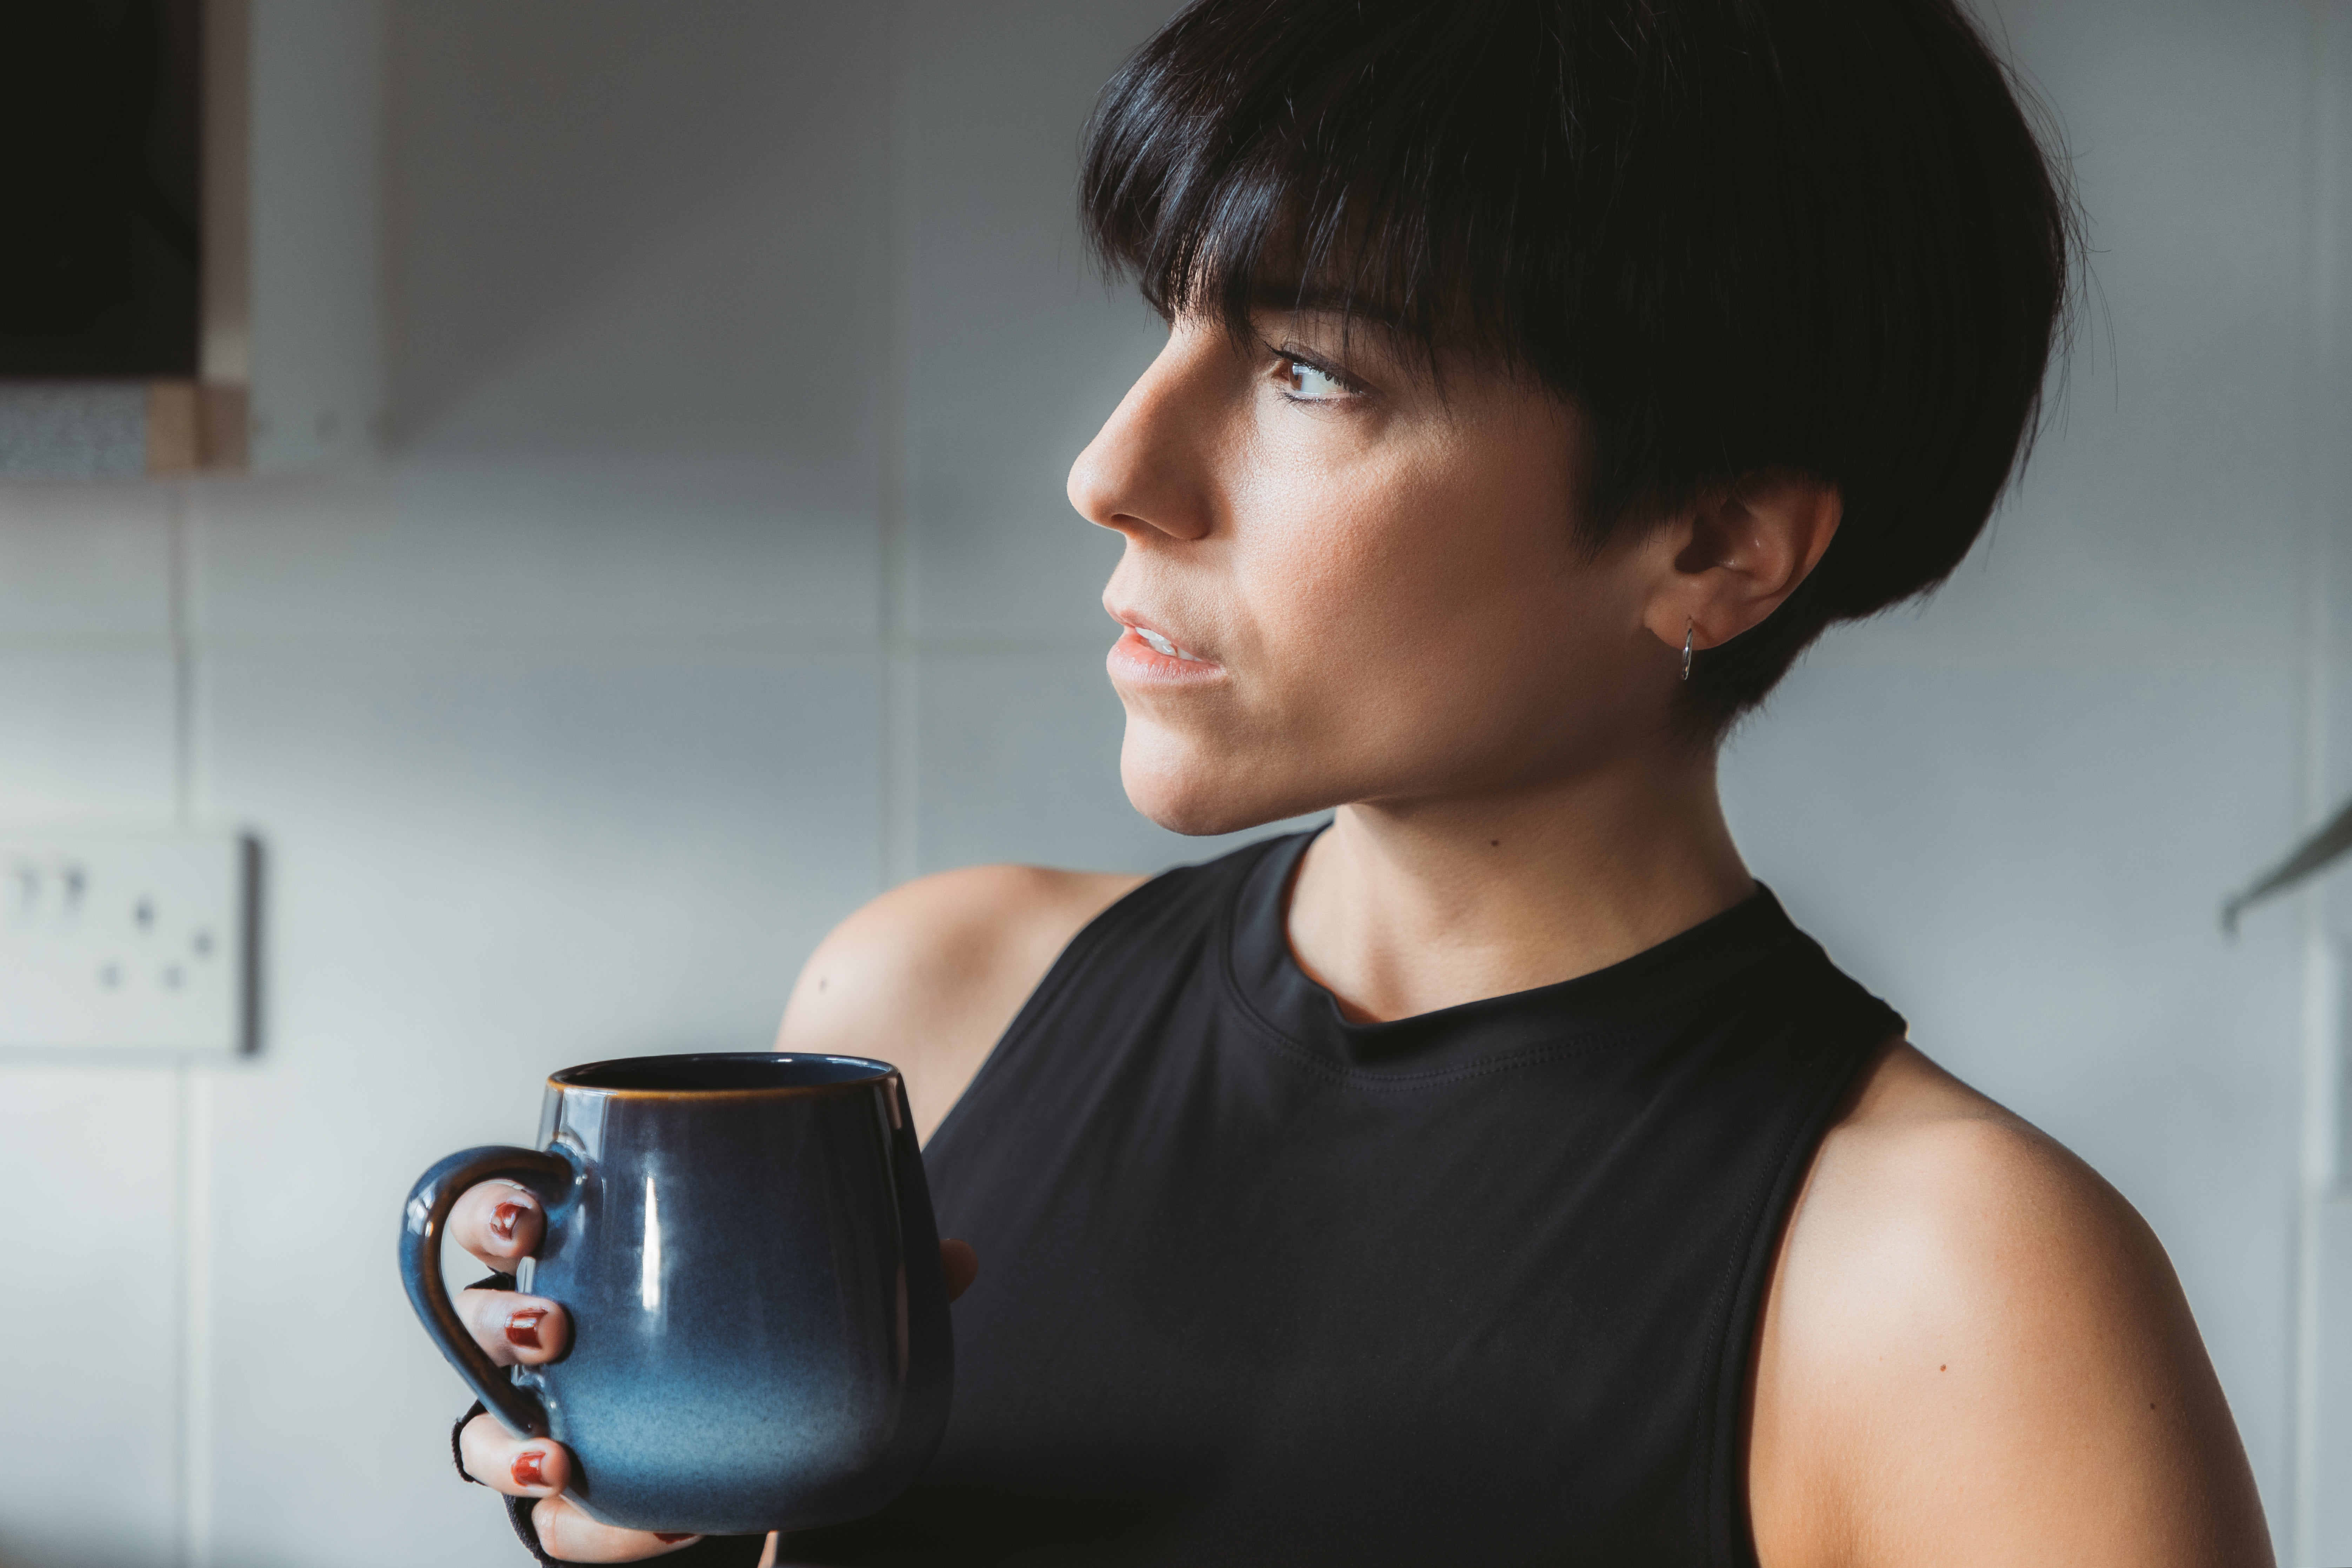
(1813, 237)
(1225, 189)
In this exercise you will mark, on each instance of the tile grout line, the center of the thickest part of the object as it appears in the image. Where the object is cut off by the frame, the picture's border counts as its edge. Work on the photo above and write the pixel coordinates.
(182, 675)
(2017, 654)
(2324, 977)
(183, 1553)
(195, 1482)
(899, 694)
(193, 1102)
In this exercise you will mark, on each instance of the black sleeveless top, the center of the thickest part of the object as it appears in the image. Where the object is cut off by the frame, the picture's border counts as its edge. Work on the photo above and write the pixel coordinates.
(1259, 1285)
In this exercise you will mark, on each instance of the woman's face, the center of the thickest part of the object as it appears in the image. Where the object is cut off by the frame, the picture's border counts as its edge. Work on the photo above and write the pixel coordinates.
(1343, 582)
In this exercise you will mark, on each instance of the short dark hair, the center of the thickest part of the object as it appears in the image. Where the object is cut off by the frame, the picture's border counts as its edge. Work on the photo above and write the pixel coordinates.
(1818, 236)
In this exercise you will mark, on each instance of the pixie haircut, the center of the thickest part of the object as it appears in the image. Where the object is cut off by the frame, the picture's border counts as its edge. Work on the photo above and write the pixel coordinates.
(1741, 237)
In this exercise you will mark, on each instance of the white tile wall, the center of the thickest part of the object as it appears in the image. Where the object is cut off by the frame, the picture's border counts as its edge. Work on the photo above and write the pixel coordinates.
(84, 562)
(482, 868)
(91, 1378)
(86, 735)
(519, 554)
(2331, 1522)
(1016, 350)
(737, 354)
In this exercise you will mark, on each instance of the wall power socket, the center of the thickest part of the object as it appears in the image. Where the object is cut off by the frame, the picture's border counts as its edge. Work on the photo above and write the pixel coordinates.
(127, 941)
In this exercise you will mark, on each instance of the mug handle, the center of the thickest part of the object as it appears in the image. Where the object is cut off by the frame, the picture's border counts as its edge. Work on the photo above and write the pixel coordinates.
(549, 1175)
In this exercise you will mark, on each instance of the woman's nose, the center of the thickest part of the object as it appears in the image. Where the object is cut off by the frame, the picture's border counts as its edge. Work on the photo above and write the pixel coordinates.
(1145, 470)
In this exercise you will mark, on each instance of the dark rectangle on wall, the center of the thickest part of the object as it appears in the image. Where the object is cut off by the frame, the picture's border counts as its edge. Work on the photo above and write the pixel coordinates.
(100, 188)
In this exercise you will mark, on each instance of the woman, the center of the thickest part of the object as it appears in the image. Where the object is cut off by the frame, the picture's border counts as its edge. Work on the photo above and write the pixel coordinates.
(1498, 1175)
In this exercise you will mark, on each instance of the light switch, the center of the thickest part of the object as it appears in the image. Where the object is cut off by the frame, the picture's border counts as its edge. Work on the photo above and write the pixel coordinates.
(126, 941)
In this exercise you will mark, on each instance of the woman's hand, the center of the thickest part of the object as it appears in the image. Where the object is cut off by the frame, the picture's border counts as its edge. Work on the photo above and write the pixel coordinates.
(501, 1224)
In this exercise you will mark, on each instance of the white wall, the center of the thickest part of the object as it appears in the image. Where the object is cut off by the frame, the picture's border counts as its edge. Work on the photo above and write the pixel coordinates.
(720, 575)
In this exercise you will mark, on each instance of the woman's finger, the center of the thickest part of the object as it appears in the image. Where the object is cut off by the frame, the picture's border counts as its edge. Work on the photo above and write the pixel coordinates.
(515, 1330)
(498, 1222)
(518, 1466)
(569, 1535)
(541, 1467)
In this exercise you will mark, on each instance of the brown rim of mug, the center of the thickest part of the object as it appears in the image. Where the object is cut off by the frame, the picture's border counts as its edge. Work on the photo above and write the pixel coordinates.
(883, 1073)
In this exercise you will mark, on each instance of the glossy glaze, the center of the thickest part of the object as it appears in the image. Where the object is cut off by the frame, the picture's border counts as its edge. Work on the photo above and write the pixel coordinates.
(746, 1247)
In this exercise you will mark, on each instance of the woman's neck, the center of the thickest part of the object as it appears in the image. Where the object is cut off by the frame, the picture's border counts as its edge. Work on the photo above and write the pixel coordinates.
(1405, 908)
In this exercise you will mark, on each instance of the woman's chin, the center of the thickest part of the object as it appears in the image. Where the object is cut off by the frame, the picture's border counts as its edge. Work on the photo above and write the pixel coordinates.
(1198, 796)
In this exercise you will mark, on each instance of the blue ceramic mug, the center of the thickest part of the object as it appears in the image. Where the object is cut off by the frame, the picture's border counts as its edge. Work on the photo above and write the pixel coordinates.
(745, 1246)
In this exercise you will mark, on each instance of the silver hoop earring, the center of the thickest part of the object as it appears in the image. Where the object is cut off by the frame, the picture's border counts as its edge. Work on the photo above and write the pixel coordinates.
(1689, 631)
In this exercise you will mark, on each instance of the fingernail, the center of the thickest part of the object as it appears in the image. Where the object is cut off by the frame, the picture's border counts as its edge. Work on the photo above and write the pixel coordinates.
(502, 1220)
(522, 1329)
(529, 1467)
(672, 1539)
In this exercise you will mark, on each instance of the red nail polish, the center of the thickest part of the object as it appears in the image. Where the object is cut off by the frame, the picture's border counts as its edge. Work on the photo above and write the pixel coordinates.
(527, 1469)
(522, 1329)
(502, 1220)
(672, 1539)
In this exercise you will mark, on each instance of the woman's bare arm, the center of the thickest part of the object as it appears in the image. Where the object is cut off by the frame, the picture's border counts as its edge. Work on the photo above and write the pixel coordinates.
(1974, 1352)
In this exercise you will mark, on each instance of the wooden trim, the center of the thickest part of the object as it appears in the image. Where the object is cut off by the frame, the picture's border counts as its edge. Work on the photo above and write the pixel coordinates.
(222, 424)
(193, 427)
(174, 445)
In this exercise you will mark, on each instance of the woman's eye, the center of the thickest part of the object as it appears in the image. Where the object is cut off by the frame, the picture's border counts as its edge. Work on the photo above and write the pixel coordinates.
(1307, 384)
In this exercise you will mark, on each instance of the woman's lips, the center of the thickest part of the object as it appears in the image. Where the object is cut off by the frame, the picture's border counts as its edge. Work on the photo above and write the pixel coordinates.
(1143, 655)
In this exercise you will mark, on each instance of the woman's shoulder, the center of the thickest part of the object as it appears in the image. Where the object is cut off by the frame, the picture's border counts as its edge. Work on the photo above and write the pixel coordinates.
(1964, 1311)
(929, 975)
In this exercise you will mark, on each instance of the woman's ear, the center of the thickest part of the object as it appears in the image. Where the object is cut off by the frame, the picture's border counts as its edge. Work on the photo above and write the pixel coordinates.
(1736, 555)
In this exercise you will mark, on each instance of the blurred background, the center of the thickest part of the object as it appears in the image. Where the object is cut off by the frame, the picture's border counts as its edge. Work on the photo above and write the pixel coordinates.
(651, 544)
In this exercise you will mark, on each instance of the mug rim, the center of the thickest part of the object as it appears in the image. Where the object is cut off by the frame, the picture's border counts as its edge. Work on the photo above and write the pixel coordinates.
(564, 1081)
